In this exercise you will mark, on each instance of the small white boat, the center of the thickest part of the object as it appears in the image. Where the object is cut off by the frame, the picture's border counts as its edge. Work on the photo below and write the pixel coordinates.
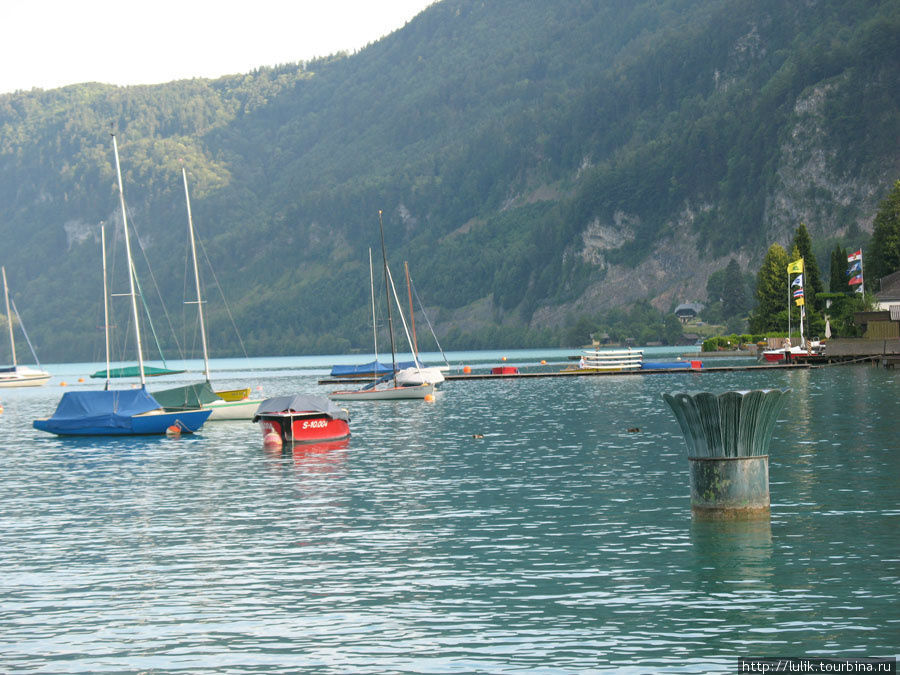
(388, 393)
(16, 375)
(420, 375)
(610, 360)
(420, 382)
(22, 376)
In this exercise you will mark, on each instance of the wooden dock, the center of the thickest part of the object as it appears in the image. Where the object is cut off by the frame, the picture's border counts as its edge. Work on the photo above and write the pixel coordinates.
(610, 373)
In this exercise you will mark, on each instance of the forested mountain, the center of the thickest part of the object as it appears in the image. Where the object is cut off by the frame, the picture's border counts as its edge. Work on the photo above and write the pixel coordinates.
(533, 161)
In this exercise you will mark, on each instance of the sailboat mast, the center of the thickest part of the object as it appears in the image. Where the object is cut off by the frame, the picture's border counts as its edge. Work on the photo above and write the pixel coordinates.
(12, 340)
(134, 308)
(412, 315)
(374, 325)
(105, 303)
(187, 199)
(387, 292)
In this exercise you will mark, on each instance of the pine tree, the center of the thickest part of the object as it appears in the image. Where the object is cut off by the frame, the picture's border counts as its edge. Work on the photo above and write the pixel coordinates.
(883, 255)
(734, 294)
(812, 281)
(770, 313)
(837, 279)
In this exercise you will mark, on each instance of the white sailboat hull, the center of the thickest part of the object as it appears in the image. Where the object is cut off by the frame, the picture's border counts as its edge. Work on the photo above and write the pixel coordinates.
(415, 376)
(232, 410)
(387, 394)
(22, 376)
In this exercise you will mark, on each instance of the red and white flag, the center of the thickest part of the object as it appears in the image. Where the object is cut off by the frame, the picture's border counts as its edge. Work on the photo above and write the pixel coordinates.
(855, 256)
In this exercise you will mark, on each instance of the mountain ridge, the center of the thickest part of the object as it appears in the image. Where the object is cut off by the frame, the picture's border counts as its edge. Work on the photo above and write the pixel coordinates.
(532, 163)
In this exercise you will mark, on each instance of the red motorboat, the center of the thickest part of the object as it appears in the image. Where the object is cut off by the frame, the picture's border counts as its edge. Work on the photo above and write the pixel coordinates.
(302, 418)
(789, 354)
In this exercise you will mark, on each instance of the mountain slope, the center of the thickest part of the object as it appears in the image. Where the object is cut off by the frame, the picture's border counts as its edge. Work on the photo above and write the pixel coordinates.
(532, 161)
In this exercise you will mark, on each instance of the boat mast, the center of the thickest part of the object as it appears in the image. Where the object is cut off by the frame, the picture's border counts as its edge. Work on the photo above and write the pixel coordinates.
(412, 315)
(105, 303)
(12, 340)
(187, 199)
(134, 308)
(387, 292)
(374, 325)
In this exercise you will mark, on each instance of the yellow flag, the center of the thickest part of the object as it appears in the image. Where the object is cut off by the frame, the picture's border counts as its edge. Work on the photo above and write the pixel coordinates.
(799, 301)
(796, 267)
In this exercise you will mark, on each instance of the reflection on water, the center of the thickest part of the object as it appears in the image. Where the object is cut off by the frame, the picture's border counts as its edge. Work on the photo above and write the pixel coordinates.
(510, 526)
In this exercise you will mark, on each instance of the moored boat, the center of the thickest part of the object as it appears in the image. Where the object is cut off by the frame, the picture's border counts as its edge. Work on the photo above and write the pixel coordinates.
(302, 418)
(376, 391)
(127, 412)
(238, 405)
(16, 375)
(117, 412)
(610, 360)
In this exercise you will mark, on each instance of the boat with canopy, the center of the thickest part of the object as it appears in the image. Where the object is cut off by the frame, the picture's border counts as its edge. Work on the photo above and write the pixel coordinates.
(126, 412)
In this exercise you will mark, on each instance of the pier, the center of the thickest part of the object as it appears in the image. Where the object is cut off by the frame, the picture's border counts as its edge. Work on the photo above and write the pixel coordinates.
(548, 370)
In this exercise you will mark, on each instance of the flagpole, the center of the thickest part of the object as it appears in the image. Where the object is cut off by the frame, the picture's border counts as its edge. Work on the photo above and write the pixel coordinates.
(789, 302)
(862, 280)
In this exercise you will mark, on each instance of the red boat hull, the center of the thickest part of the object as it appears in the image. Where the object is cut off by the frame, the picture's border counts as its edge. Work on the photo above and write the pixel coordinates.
(303, 427)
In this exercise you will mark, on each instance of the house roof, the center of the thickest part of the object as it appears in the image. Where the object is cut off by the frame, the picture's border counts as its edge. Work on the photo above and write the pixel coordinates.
(890, 287)
(689, 308)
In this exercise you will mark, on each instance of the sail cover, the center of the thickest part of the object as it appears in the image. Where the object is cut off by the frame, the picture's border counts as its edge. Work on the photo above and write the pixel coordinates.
(188, 397)
(302, 403)
(369, 369)
(79, 410)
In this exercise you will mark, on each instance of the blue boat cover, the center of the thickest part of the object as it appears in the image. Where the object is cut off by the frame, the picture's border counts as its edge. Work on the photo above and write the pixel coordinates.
(662, 365)
(78, 410)
(302, 403)
(371, 368)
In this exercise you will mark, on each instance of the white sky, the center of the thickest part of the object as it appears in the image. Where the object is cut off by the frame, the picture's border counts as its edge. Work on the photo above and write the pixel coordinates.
(52, 43)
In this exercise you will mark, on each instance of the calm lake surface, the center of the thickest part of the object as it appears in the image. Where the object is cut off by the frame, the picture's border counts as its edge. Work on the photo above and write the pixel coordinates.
(556, 541)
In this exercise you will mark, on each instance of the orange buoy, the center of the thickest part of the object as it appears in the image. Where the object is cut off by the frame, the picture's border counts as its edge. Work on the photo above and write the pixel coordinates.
(173, 430)
(467, 369)
(503, 359)
(543, 362)
(1, 409)
(62, 384)
(429, 398)
(81, 379)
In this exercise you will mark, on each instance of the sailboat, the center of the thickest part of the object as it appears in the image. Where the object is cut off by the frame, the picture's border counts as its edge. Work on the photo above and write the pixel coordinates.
(16, 375)
(373, 369)
(416, 373)
(387, 387)
(127, 412)
(201, 395)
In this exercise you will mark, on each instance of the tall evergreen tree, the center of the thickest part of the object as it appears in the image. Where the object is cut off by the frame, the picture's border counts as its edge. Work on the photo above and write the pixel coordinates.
(734, 292)
(837, 278)
(812, 281)
(883, 255)
(770, 313)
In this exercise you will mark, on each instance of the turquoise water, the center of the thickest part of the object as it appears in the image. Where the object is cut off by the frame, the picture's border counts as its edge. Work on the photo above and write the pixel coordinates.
(511, 526)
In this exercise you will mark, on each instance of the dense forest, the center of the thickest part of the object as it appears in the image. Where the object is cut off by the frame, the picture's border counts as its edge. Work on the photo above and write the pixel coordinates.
(534, 162)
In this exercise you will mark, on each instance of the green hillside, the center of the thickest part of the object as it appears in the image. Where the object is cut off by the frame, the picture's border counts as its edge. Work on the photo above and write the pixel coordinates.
(534, 161)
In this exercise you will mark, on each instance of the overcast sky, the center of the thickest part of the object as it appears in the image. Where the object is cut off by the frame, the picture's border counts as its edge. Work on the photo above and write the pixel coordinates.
(52, 43)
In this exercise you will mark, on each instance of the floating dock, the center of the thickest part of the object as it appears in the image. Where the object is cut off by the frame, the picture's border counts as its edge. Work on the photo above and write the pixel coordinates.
(533, 370)
(642, 371)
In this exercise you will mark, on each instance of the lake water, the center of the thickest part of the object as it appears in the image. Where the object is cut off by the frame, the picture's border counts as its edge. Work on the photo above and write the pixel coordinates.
(511, 526)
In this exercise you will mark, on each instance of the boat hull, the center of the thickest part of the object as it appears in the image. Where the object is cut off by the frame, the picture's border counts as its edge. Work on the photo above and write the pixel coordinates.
(146, 424)
(232, 410)
(30, 378)
(387, 394)
(303, 427)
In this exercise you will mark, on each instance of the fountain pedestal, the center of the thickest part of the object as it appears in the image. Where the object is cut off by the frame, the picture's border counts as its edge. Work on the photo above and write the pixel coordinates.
(728, 437)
